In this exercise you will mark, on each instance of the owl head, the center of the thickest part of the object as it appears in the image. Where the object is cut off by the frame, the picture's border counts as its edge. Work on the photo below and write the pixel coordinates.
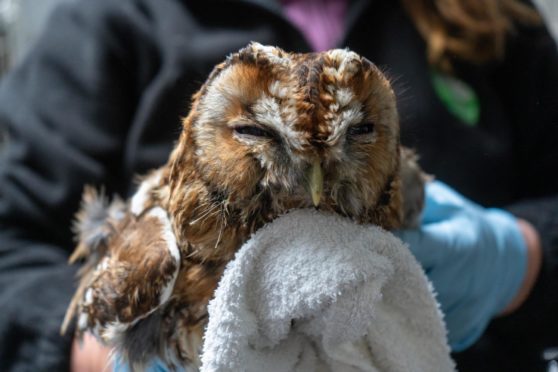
(271, 130)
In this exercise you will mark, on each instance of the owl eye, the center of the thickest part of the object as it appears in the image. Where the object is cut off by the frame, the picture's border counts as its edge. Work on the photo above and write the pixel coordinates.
(360, 129)
(252, 130)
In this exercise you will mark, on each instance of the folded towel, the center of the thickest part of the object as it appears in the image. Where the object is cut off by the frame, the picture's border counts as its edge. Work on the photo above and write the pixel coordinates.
(316, 292)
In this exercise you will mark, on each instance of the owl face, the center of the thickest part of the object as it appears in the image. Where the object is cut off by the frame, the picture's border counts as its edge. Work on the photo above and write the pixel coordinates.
(272, 131)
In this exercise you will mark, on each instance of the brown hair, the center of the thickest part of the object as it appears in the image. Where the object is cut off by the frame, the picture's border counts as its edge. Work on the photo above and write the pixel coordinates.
(470, 30)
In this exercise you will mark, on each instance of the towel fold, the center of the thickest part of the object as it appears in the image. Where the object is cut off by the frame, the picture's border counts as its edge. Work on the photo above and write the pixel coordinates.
(317, 292)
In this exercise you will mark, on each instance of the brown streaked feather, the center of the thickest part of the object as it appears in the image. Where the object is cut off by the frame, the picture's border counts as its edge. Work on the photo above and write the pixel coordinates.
(93, 228)
(129, 279)
(138, 268)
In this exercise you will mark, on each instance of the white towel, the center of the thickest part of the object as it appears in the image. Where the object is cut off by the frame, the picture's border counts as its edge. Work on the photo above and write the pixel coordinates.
(316, 292)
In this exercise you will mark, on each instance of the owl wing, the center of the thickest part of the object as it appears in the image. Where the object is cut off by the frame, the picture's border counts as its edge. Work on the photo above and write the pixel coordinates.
(133, 277)
(94, 227)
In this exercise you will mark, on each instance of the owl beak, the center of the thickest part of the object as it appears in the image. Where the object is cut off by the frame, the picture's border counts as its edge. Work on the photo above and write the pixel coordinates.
(315, 179)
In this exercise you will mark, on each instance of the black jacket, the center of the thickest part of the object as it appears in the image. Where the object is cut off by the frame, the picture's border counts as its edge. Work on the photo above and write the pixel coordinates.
(98, 100)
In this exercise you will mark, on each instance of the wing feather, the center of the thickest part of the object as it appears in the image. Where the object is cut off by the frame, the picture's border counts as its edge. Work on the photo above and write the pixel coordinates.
(132, 263)
(133, 280)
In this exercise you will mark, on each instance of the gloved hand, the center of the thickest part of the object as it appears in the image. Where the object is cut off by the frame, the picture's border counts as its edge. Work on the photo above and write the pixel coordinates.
(154, 366)
(475, 257)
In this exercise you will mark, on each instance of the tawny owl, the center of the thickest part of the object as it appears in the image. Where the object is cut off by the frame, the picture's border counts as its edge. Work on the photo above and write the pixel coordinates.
(269, 131)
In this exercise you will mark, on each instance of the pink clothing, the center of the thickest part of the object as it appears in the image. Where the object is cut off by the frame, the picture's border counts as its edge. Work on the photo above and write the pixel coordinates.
(321, 21)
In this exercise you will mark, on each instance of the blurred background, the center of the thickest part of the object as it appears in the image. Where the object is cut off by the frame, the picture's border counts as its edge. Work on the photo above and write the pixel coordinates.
(21, 21)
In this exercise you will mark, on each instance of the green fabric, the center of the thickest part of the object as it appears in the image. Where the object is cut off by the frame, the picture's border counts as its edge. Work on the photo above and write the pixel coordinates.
(458, 97)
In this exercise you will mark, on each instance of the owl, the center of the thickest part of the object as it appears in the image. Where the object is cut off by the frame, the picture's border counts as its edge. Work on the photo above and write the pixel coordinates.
(269, 131)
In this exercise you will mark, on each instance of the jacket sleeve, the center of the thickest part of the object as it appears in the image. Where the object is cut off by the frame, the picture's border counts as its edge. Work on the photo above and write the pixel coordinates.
(529, 83)
(65, 110)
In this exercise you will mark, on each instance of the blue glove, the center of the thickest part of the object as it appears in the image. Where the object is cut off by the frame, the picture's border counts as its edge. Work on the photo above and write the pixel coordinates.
(476, 259)
(154, 366)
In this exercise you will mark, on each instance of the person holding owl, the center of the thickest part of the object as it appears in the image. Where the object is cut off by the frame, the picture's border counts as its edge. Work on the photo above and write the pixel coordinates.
(99, 98)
